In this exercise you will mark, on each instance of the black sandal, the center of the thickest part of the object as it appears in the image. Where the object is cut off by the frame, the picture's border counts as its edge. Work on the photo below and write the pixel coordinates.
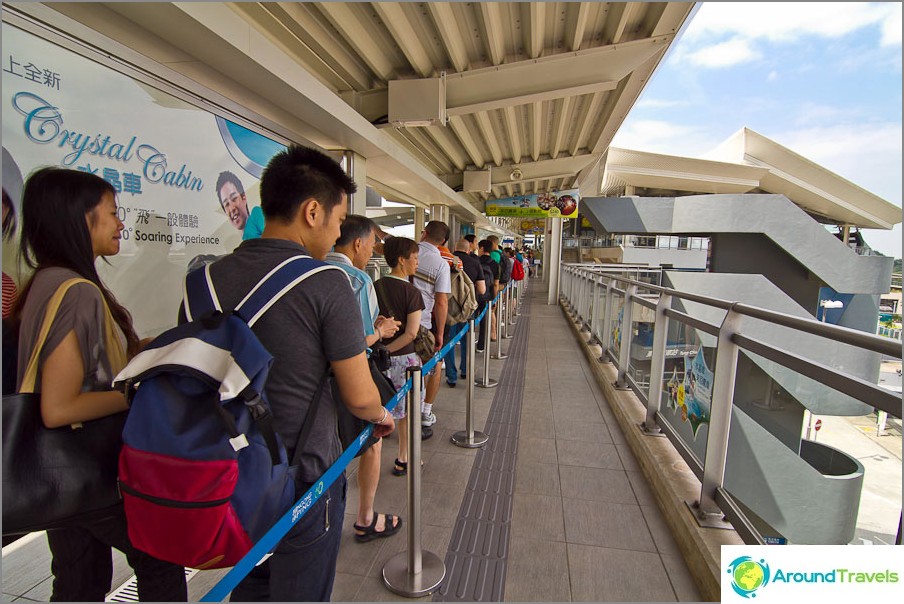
(370, 532)
(400, 464)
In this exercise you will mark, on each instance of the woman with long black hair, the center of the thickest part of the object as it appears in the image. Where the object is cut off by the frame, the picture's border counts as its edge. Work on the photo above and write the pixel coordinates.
(69, 220)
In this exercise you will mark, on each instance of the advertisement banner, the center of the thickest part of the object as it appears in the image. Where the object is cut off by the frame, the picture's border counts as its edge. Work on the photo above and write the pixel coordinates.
(533, 226)
(691, 397)
(186, 179)
(557, 204)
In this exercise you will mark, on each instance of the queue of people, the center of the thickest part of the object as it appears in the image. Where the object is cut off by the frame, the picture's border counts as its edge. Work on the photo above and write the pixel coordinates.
(330, 321)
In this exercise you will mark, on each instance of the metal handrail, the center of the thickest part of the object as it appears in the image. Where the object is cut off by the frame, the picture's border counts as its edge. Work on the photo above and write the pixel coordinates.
(846, 335)
(581, 291)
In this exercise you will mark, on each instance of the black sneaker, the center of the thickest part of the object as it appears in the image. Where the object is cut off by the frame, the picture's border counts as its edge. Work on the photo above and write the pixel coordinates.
(451, 384)
(426, 432)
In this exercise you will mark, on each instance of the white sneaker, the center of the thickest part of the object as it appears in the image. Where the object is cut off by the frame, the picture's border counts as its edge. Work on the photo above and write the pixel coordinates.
(428, 419)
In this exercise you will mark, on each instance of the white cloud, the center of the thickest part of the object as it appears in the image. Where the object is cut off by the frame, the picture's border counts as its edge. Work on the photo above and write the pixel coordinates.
(724, 54)
(728, 33)
(659, 104)
(656, 136)
(788, 21)
(773, 76)
(814, 113)
(891, 26)
(867, 154)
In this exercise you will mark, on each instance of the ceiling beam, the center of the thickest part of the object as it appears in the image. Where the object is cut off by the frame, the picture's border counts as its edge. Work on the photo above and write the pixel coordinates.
(533, 26)
(395, 20)
(563, 167)
(344, 19)
(489, 135)
(560, 126)
(576, 15)
(464, 135)
(585, 122)
(514, 133)
(536, 124)
(446, 25)
(555, 76)
(491, 31)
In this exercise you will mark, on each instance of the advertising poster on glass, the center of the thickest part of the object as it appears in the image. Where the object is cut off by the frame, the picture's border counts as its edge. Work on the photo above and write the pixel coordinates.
(555, 204)
(186, 179)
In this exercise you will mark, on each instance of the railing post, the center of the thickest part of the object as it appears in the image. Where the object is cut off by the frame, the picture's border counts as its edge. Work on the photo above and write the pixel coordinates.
(657, 365)
(470, 439)
(414, 573)
(706, 509)
(607, 322)
(595, 313)
(627, 330)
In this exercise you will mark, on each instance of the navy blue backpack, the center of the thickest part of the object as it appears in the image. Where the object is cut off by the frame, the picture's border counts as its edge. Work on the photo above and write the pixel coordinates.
(202, 471)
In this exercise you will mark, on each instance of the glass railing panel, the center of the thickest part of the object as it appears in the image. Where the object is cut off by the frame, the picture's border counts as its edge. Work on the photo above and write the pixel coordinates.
(640, 356)
(687, 384)
(616, 316)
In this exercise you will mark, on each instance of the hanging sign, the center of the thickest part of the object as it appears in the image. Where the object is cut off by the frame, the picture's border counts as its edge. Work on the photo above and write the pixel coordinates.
(557, 204)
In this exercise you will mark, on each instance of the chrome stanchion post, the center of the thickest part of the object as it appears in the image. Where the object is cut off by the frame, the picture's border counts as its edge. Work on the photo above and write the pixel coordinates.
(470, 439)
(414, 573)
(508, 311)
(499, 354)
(607, 334)
(487, 382)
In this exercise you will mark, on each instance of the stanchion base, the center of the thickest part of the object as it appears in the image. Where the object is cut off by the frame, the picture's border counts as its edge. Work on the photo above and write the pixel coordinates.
(399, 581)
(506, 337)
(461, 439)
(490, 383)
(499, 357)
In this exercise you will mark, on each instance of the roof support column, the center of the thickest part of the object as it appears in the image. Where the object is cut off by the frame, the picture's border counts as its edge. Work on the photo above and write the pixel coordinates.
(439, 212)
(420, 220)
(552, 265)
(356, 168)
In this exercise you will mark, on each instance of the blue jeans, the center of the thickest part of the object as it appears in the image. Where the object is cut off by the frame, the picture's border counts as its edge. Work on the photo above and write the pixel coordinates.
(303, 565)
(451, 372)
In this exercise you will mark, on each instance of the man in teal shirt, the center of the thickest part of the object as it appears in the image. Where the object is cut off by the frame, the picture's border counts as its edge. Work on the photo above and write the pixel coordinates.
(353, 249)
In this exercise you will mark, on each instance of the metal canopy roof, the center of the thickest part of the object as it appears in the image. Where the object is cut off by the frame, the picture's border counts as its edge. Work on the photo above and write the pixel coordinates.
(538, 85)
(749, 162)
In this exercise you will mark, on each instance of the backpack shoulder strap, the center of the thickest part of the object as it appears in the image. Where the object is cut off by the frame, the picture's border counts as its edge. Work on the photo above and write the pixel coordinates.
(198, 294)
(425, 277)
(277, 283)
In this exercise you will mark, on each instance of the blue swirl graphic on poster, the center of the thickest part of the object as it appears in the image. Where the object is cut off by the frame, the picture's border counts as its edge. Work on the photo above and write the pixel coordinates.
(691, 396)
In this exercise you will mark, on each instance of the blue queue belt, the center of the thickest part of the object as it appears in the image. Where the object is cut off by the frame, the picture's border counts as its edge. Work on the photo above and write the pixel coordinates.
(269, 541)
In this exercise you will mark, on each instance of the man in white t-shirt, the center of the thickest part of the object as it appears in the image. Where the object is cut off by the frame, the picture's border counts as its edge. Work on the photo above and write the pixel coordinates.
(433, 280)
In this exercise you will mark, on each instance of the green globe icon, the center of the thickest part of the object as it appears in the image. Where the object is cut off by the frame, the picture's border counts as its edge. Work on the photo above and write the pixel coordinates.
(748, 575)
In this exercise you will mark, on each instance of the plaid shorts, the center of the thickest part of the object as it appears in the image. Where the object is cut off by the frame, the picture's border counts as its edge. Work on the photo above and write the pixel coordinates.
(398, 375)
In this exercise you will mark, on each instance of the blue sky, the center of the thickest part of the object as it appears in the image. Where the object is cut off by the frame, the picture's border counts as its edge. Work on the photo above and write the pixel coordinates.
(823, 79)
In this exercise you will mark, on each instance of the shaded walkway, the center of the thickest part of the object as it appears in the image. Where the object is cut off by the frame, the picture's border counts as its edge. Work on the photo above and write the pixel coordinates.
(581, 523)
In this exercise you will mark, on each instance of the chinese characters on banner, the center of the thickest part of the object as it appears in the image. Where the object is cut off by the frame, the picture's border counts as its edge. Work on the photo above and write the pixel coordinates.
(557, 204)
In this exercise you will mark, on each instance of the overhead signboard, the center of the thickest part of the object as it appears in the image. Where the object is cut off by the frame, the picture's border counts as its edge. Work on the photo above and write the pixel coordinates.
(556, 204)
(533, 226)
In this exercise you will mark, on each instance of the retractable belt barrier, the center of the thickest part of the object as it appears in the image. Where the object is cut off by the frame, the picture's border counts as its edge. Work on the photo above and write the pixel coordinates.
(263, 547)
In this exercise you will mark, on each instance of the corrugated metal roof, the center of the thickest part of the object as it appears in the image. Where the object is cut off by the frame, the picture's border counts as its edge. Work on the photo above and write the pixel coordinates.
(538, 85)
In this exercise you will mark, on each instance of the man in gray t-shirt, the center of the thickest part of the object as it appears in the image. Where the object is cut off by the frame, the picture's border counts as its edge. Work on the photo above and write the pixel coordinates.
(314, 327)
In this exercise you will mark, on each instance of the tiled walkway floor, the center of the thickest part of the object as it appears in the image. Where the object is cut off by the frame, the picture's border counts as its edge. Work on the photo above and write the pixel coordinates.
(584, 524)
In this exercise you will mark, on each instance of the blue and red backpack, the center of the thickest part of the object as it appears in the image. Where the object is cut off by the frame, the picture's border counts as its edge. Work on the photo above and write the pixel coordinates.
(202, 472)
